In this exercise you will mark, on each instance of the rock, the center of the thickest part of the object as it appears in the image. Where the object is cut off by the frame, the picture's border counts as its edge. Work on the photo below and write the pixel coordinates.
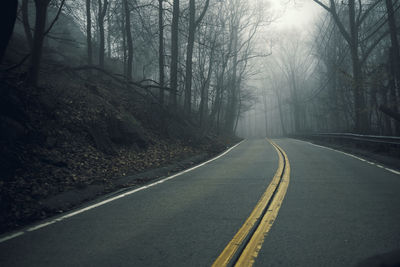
(101, 139)
(124, 129)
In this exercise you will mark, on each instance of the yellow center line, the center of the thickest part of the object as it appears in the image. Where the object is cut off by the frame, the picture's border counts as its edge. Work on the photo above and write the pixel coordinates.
(252, 248)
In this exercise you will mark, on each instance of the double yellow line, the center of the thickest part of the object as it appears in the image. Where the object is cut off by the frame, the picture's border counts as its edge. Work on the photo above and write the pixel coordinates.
(243, 249)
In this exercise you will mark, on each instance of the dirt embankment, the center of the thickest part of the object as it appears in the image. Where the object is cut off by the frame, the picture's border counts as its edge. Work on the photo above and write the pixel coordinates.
(70, 141)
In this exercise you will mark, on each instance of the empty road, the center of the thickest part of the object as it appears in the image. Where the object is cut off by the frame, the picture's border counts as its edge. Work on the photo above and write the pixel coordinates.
(320, 208)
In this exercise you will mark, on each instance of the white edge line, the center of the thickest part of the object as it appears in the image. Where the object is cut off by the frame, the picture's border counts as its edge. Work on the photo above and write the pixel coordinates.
(101, 203)
(353, 156)
(11, 236)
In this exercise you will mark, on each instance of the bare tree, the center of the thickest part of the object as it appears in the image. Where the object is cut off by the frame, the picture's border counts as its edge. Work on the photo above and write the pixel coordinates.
(101, 15)
(174, 55)
(40, 24)
(161, 50)
(8, 15)
(356, 16)
(26, 24)
(89, 32)
(193, 24)
(394, 57)
(129, 41)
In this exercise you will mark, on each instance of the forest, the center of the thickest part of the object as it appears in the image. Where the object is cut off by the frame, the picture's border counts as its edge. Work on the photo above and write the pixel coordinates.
(339, 76)
(97, 89)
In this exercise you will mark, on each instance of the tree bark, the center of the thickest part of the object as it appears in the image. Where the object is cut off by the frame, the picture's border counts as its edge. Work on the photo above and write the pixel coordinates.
(8, 14)
(295, 102)
(189, 58)
(108, 33)
(394, 41)
(123, 33)
(232, 93)
(174, 55)
(129, 41)
(193, 24)
(25, 22)
(394, 59)
(89, 33)
(102, 14)
(264, 96)
(40, 24)
(204, 90)
(361, 116)
(281, 115)
(161, 50)
(352, 39)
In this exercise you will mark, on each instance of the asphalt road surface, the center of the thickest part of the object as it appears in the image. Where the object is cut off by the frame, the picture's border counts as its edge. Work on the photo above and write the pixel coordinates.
(337, 211)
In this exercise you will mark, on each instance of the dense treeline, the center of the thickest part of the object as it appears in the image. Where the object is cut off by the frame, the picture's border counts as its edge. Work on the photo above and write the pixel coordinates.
(343, 75)
(193, 54)
(339, 75)
(358, 47)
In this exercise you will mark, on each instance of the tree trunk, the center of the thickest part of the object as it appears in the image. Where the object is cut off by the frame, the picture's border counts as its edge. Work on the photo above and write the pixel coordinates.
(204, 91)
(295, 103)
(129, 41)
(387, 125)
(281, 115)
(215, 111)
(189, 58)
(25, 22)
(237, 117)
(361, 116)
(102, 14)
(193, 24)
(394, 60)
(89, 33)
(174, 55)
(123, 33)
(161, 50)
(232, 93)
(264, 95)
(8, 14)
(40, 24)
(394, 42)
(352, 39)
(108, 33)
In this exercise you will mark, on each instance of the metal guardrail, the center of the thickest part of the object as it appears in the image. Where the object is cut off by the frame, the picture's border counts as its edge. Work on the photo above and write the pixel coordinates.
(376, 139)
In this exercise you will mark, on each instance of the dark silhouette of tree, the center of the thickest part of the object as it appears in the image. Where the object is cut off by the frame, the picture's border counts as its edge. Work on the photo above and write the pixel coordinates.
(89, 32)
(129, 41)
(40, 24)
(161, 50)
(174, 55)
(8, 15)
(102, 14)
(193, 24)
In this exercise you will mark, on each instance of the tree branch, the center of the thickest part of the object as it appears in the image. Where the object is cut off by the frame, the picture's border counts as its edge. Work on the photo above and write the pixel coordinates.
(202, 14)
(55, 19)
(365, 15)
(323, 5)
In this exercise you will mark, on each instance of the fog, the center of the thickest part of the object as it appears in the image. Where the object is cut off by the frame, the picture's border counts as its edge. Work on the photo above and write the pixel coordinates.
(252, 68)
(316, 80)
(291, 49)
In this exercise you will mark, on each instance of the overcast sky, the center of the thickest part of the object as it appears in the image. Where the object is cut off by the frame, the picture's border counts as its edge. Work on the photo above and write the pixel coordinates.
(295, 13)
